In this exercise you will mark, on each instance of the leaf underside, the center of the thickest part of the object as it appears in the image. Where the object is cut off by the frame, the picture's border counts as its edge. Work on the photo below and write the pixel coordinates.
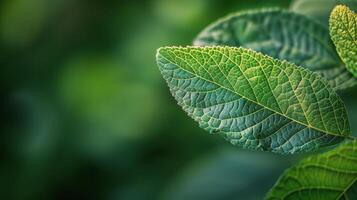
(327, 176)
(253, 100)
(283, 35)
(343, 30)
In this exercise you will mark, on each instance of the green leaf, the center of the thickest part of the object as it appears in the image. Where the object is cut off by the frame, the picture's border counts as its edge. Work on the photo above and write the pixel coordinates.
(223, 168)
(319, 9)
(255, 101)
(343, 30)
(283, 35)
(331, 175)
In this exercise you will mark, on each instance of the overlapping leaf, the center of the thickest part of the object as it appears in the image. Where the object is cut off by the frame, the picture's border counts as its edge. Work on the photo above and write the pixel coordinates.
(328, 176)
(283, 35)
(235, 172)
(343, 30)
(319, 9)
(255, 101)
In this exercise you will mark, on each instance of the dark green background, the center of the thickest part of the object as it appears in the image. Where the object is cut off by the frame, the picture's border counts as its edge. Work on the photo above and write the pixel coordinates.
(85, 113)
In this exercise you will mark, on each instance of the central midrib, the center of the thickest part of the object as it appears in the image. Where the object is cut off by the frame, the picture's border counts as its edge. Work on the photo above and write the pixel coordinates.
(248, 99)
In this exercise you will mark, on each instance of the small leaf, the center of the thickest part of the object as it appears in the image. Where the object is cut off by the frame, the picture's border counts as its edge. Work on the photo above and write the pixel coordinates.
(255, 101)
(330, 175)
(343, 30)
(283, 35)
(319, 9)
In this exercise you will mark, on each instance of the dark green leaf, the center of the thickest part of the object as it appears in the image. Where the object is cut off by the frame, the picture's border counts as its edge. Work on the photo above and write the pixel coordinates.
(283, 35)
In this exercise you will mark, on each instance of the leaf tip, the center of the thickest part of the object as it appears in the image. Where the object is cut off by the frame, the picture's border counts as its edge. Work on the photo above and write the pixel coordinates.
(340, 9)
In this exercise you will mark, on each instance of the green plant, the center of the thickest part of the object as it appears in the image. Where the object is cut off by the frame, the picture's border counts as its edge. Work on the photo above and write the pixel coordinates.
(343, 27)
(268, 80)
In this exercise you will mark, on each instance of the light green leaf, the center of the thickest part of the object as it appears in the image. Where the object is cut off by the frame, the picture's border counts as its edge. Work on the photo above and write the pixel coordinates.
(343, 30)
(255, 101)
(331, 175)
(319, 9)
(283, 35)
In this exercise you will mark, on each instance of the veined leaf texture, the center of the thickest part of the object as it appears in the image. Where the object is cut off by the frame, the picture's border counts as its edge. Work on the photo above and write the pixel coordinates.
(343, 30)
(331, 175)
(253, 100)
(283, 35)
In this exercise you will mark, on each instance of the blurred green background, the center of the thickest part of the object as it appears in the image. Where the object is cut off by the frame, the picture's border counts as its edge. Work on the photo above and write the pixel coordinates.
(86, 114)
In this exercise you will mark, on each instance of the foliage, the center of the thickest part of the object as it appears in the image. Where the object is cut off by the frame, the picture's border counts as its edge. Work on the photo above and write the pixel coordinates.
(255, 101)
(331, 175)
(258, 100)
(319, 9)
(283, 35)
(343, 29)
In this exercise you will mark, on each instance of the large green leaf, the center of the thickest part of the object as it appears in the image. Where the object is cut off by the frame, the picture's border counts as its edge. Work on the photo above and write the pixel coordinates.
(331, 175)
(343, 30)
(283, 35)
(255, 101)
(319, 9)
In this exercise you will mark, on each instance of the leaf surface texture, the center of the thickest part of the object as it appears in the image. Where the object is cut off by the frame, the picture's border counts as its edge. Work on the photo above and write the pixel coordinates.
(255, 101)
(327, 176)
(283, 35)
(343, 30)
